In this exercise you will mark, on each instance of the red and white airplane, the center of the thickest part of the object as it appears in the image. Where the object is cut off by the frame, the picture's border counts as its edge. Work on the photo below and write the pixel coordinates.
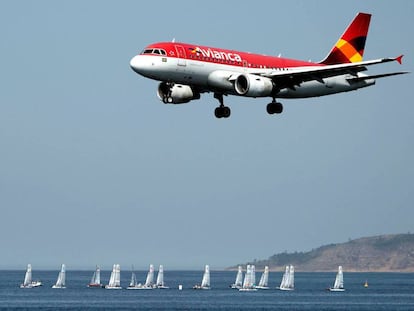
(187, 70)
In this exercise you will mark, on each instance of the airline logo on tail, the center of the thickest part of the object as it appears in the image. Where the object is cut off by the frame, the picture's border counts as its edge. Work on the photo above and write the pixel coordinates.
(350, 47)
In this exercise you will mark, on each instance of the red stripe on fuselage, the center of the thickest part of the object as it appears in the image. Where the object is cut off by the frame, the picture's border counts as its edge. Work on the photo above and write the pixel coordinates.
(229, 57)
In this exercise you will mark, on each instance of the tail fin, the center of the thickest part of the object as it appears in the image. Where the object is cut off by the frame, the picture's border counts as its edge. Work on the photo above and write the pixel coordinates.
(350, 47)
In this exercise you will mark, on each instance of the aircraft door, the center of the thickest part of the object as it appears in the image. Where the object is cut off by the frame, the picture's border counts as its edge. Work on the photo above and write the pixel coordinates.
(181, 55)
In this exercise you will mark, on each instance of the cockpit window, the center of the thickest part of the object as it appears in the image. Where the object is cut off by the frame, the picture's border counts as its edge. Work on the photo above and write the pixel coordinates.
(154, 51)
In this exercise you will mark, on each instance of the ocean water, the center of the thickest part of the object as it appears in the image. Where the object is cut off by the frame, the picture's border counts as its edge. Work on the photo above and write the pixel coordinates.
(386, 291)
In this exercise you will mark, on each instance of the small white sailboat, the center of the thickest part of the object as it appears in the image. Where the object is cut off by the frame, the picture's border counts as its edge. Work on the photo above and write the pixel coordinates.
(28, 283)
(249, 282)
(160, 278)
(238, 283)
(61, 280)
(96, 279)
(115, 279)
(133, 283)
(149, 281)
(264, 279)
(339, 282)
(205, 282)
(288, 279)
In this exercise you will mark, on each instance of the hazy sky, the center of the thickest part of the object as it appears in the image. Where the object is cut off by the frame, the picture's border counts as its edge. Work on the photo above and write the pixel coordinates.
(94, 169)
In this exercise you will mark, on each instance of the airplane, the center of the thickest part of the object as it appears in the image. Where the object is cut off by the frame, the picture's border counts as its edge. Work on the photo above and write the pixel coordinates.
(188, 70)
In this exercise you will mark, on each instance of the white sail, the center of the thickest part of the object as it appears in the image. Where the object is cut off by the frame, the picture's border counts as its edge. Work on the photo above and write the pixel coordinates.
(28, 276)
(112, 277)
(249, 282)
(239, 278)
(28, 282)
(253, 276)
(339, 282)
(149, 282)
(291, 283)
(118, 276)
(115, 279)
(288, 279)
(61, 280)
(133, 281)
(133, 284)
(247, 277)
(264, 279)
(160, 278)
(96, 278)
(205, 283)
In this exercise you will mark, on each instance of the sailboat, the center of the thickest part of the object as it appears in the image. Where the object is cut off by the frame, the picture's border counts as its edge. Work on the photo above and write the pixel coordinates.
(205, 282)
(115, 279)
(96, 279)
(264, 279)
(149, 281)
(249, 282)
(339, 282)
(238, 283)
(61, 280)
(160, 278)
(288, 279)
(28, 283)
(133, 283)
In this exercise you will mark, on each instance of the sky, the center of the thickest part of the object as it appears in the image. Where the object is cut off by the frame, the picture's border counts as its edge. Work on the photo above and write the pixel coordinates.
(94, 169)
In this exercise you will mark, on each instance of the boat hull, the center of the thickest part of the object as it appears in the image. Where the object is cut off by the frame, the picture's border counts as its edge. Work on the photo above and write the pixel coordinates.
(113, 287)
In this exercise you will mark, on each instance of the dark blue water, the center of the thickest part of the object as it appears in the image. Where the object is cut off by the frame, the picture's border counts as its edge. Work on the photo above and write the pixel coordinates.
(387, 291)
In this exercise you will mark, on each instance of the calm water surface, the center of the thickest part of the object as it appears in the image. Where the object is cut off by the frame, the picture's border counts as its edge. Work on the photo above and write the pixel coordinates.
(386, 291)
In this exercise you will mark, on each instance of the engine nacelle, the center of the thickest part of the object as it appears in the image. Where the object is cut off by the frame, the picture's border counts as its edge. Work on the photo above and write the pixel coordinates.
(170, 93)
(253, 86)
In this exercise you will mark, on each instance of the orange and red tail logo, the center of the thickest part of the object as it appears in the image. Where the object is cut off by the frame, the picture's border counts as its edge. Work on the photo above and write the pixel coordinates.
(350, 47)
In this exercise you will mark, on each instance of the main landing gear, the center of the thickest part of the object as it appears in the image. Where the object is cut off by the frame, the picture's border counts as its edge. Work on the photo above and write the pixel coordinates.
(224, 111)
(274, 107)
(221, 111)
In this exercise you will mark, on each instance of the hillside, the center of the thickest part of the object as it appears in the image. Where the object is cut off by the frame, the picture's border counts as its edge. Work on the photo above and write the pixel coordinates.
(385, 253)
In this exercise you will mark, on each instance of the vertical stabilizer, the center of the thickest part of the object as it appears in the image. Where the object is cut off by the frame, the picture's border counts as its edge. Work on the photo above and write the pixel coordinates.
(350, 47)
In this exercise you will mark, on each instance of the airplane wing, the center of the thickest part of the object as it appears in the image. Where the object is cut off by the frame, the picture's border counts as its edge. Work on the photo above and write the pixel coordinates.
(294, 77)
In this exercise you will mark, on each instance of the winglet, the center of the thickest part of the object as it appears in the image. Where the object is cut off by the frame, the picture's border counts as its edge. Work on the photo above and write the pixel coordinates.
(399, 59)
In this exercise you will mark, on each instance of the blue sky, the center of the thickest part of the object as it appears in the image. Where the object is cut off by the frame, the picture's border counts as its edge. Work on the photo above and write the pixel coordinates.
(94, 169)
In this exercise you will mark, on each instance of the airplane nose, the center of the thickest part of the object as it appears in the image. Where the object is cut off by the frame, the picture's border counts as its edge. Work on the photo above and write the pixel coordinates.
(135, 63)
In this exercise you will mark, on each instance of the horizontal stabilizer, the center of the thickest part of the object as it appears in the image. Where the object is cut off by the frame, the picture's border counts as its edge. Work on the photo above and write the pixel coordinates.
(362, 78)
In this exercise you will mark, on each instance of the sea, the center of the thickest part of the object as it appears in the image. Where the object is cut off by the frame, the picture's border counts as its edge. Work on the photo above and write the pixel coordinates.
(385, 291)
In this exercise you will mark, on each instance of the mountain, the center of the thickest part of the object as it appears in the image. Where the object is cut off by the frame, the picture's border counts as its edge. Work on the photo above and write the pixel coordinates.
(384, 253)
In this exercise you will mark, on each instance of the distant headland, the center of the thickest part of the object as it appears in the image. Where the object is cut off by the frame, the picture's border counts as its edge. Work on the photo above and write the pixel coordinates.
(383, 253)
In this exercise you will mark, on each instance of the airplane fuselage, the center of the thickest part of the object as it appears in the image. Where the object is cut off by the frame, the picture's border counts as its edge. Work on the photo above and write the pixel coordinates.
(209, 69)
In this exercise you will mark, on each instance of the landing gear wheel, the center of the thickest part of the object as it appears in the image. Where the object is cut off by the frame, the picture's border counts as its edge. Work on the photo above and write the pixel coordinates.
(217, 112)
(222, 112)
(274, 107)
(167, 100)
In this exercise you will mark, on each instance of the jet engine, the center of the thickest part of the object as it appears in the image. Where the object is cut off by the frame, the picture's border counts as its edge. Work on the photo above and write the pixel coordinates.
(170, 93)
(253, 86)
